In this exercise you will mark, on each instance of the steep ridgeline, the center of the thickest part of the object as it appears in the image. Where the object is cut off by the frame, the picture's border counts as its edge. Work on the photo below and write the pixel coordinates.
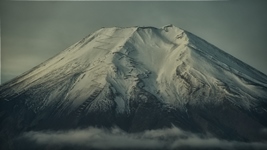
(138, 78)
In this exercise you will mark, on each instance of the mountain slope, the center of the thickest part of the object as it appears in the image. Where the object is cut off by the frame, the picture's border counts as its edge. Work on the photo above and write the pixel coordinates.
(139, 78)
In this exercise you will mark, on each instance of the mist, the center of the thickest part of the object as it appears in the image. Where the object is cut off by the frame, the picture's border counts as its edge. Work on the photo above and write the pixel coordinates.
(115, 138)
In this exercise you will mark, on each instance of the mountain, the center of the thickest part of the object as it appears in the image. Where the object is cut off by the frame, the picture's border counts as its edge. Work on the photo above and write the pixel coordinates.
(138, 79)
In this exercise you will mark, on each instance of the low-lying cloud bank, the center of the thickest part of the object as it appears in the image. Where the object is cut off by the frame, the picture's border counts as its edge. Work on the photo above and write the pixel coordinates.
(96, 138)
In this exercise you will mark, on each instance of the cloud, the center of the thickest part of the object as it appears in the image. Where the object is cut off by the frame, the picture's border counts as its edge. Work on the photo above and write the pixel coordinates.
(91, 138)
(170, 138)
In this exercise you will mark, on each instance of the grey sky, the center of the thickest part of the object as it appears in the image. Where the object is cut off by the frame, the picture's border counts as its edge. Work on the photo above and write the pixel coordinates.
(32, 32)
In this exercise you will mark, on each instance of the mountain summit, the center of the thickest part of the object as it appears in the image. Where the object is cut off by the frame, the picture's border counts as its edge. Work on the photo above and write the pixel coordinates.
(139, 78)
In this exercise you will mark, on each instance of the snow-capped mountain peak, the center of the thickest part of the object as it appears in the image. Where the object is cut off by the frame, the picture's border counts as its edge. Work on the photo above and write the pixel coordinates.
(138, 78)
(171, 64)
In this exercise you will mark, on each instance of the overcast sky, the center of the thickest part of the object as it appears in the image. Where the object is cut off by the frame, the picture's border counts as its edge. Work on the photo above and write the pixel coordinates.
(33, 31)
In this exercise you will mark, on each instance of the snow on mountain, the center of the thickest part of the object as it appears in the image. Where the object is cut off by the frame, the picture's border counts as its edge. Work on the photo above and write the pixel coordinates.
(138, 78)
(174, 65)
